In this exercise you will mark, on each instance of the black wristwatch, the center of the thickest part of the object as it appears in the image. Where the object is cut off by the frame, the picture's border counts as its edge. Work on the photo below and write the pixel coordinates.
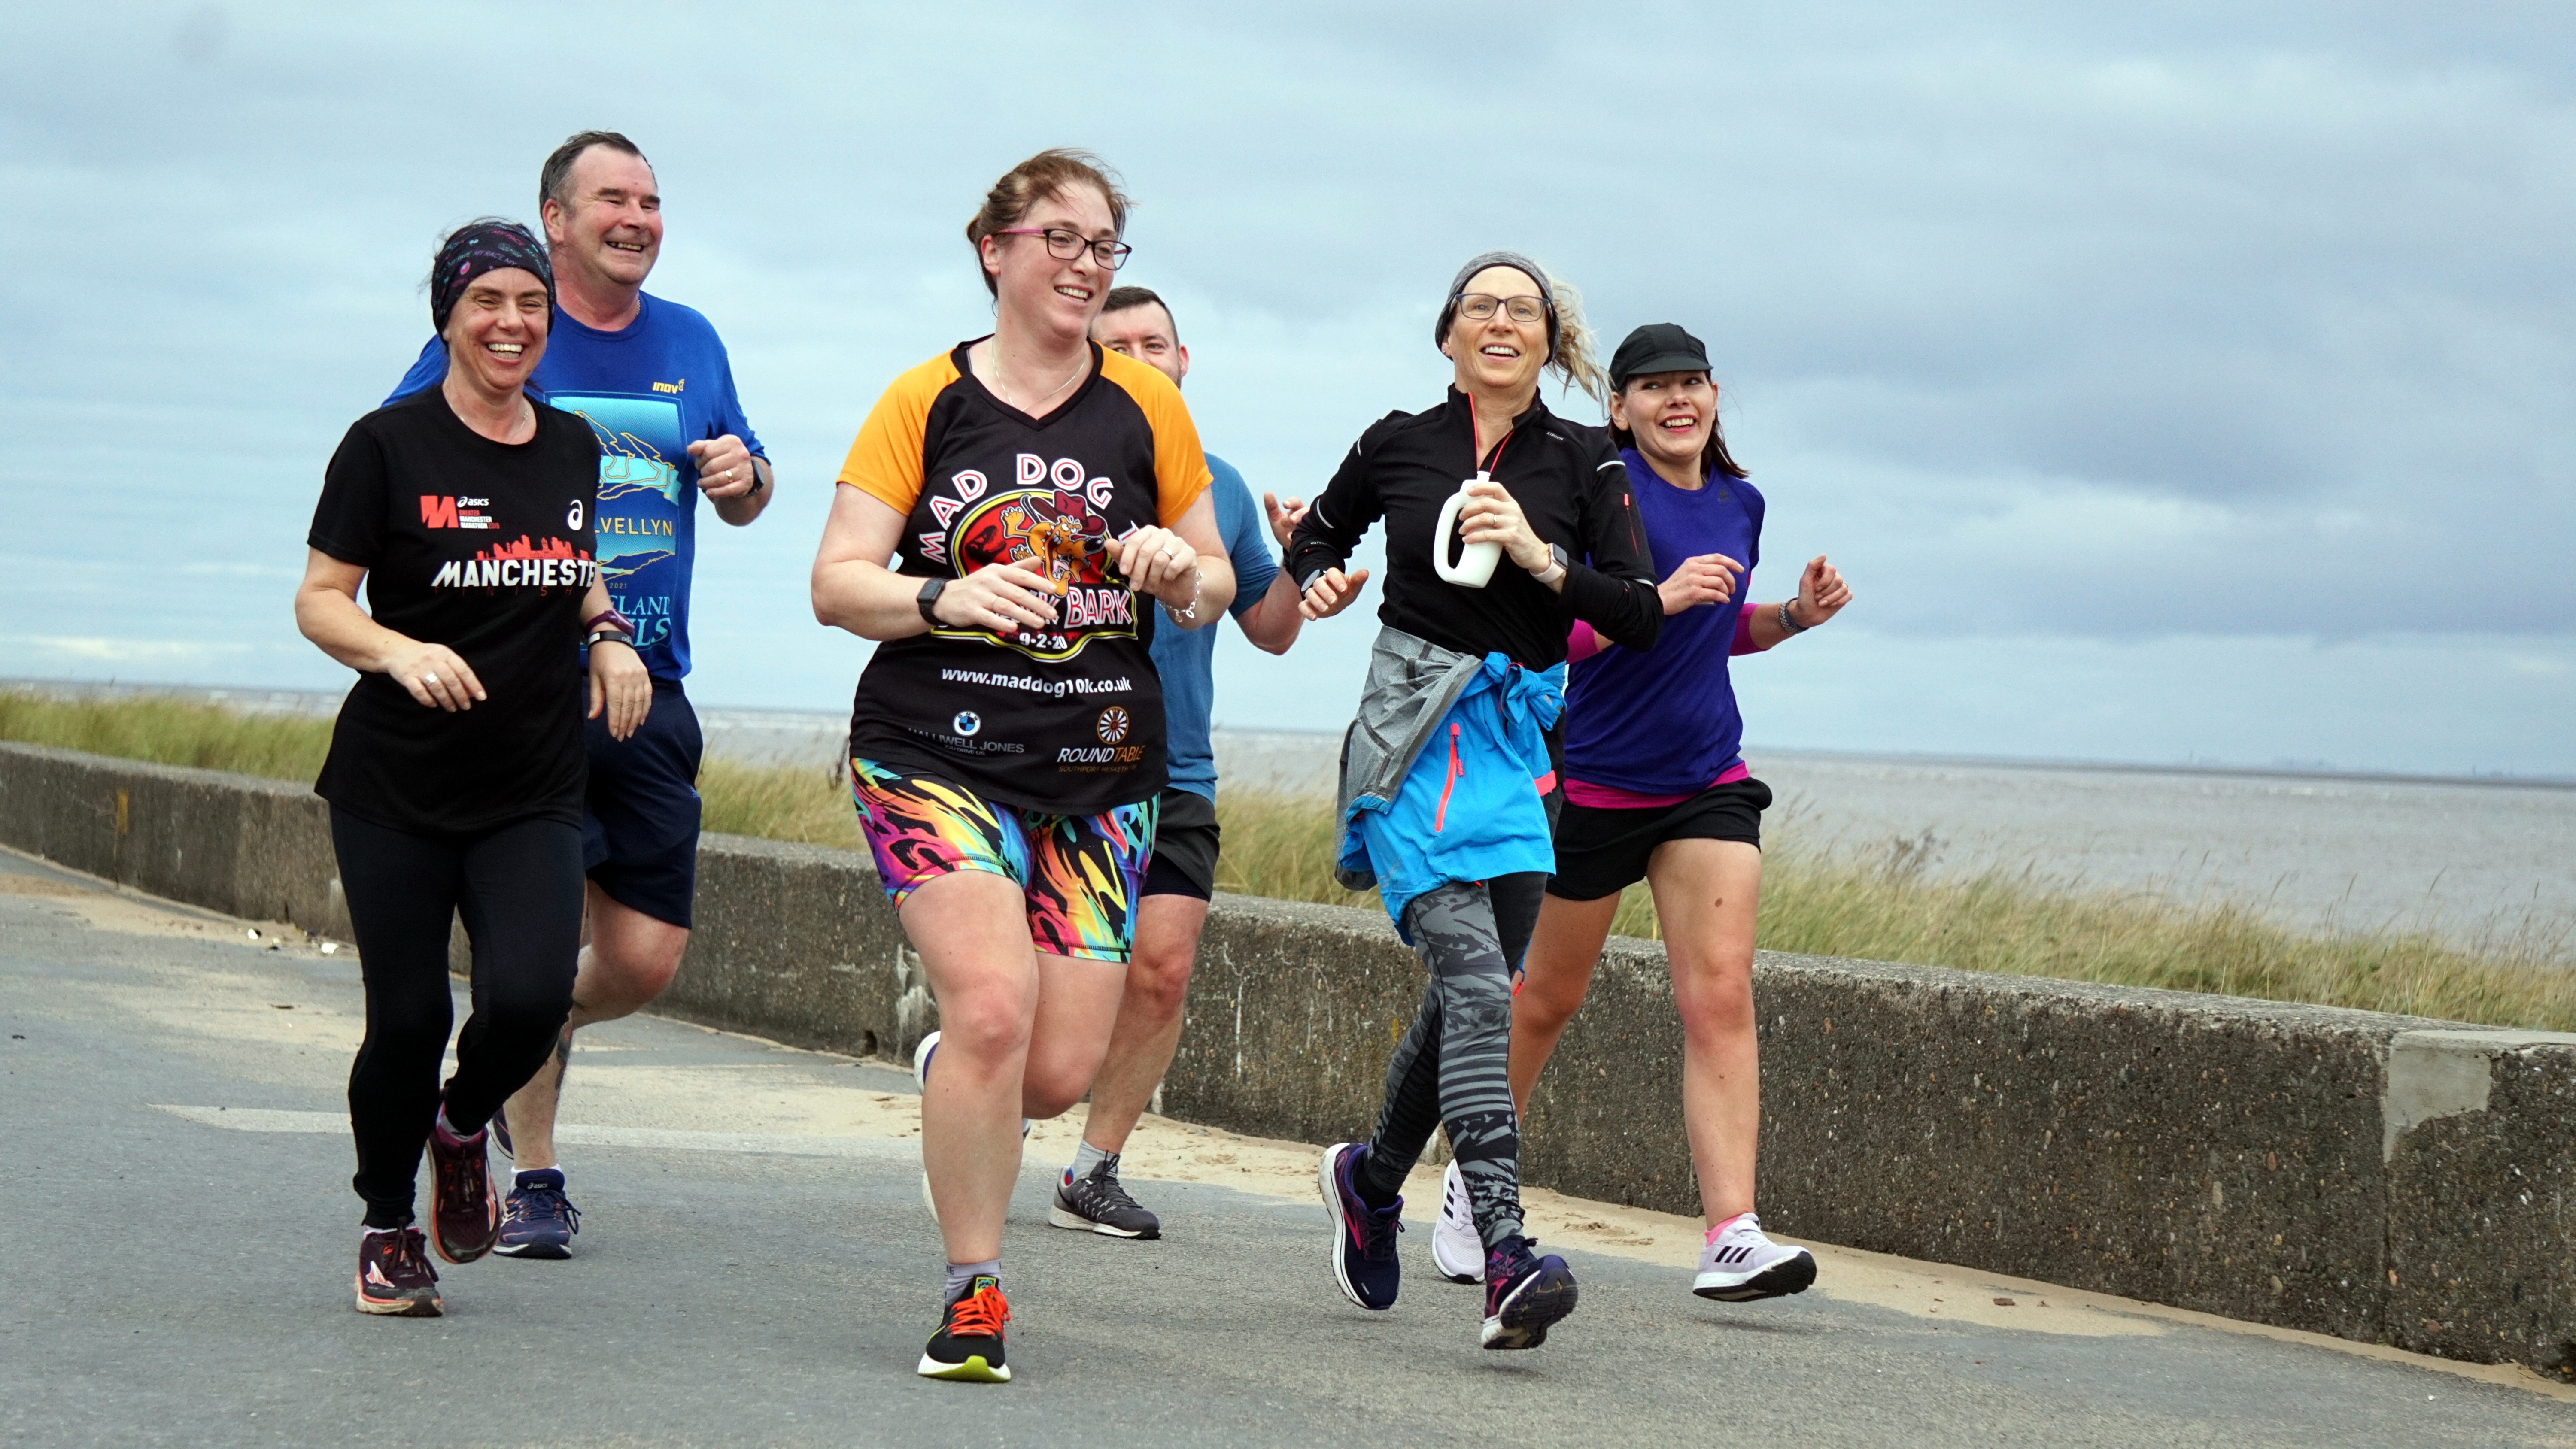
(928, 599)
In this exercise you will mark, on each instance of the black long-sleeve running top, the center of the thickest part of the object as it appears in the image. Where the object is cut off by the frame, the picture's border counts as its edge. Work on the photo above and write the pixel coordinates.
(1568, 481)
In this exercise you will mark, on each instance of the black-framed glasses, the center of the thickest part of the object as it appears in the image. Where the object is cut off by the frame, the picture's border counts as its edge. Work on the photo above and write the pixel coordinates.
(1064, 245)
(1478, 307)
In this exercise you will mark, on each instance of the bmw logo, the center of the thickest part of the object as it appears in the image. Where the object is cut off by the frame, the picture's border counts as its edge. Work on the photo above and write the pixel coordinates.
(967, 722)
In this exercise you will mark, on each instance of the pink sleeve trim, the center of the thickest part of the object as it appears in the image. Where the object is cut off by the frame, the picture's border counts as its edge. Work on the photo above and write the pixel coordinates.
(1744, 632)
(1581, 643)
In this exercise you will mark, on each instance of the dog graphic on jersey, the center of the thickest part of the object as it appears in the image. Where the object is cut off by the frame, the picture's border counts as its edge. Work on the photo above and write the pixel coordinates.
(1053, 535)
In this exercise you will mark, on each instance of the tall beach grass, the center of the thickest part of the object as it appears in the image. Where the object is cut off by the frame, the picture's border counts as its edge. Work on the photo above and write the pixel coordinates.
(1882, 905)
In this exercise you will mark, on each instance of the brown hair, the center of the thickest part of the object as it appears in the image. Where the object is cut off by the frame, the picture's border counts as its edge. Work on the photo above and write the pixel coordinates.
(554, 181)
(1022, 187)
(1713, 458)
(1122, 298)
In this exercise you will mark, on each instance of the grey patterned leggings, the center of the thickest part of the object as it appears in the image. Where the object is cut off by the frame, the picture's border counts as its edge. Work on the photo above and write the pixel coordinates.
(1450, 1070)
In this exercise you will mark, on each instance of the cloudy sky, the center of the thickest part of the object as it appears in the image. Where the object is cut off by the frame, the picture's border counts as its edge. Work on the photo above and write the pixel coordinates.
(2190, 383)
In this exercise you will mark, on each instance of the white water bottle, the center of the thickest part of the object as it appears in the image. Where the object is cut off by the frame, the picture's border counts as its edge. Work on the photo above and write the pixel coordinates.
(1475, 565)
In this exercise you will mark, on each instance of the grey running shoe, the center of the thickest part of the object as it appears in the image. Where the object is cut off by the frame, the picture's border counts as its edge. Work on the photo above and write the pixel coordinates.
(1096, 1203)
(1742, 1265)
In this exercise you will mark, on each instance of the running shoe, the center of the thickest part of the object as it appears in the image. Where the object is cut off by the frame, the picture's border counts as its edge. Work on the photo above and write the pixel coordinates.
(1456, 1248)
(464, 1211)
(1524, 1295)
(394, 1276)
(1740, 1264)
(1364, 1261)
(1094, 1202)
(967, 1349)
(537, 1220)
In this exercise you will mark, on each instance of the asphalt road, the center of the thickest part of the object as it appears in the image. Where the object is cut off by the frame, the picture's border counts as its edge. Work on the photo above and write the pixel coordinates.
(177, 1238)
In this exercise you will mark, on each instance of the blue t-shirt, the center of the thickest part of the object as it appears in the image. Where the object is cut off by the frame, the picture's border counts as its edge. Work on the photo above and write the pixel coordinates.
(1186, 657)
(648, 390)
(1665, 722)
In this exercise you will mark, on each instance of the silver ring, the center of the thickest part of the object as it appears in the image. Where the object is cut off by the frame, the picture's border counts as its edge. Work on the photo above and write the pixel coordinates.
(429, 679)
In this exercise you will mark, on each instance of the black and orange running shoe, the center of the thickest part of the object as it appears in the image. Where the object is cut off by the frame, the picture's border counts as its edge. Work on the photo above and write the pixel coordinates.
(967, 1349)
(394, 1276)
(464, 1211)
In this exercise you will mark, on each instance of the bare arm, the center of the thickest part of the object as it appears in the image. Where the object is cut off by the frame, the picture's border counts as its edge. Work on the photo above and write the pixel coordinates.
(1821, 595)
(735, 480)
(326, 610)
(619, 682)
(854, 590)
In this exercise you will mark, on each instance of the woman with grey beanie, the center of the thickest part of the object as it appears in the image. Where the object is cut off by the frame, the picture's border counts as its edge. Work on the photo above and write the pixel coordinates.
(1505, 525)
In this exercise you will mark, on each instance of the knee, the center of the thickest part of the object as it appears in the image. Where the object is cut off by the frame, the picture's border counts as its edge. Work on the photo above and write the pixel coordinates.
(1545, 1006)
(633, 977)
(1158, 983)
(987, 1025)
(1718, 998)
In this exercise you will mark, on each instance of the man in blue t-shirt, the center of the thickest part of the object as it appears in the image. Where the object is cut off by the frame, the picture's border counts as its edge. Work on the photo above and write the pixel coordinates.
(1173, 904)
(653, 381)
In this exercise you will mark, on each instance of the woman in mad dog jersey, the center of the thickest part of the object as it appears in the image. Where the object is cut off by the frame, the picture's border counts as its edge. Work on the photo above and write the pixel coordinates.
(1045, 499)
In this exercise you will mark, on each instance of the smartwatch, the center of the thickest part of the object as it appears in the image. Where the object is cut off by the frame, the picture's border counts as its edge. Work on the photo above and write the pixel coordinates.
(928, 599)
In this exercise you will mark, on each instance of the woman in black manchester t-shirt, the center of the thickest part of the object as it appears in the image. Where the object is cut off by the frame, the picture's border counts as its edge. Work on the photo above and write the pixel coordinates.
(456, 768)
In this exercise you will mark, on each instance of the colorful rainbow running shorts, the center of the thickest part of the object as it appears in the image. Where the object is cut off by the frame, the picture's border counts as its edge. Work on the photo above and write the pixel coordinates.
(1078, 873)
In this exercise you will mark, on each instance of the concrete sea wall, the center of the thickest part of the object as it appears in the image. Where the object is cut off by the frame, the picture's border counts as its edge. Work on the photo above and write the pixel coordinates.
(2381, 1178)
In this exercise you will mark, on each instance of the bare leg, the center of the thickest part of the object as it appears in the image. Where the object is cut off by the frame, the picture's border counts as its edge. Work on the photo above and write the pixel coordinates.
(1562, 952)
(1707, 893)
(1149, 1017)
(971, 928)
(1077, 1007)
(631, 958)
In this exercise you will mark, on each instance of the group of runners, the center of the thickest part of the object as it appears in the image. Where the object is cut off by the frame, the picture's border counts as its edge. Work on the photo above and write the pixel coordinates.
(1028, 529)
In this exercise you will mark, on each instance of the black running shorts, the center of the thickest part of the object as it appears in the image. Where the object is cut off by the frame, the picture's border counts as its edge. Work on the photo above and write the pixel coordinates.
(1603, 852)
(1185, 847)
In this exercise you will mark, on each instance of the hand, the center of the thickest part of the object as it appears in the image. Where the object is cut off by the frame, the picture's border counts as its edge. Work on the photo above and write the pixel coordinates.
(1284, 517)
(1492, 515)
(1160, 562)
(621, 685)
(1331, 594)
(1001, 597)
(435, 676)
(725, 469)
(1821, 594)
(1709, 578)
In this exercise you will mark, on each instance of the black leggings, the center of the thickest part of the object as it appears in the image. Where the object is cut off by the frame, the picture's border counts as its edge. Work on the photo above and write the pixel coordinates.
(519, 890)
(1452, 1066)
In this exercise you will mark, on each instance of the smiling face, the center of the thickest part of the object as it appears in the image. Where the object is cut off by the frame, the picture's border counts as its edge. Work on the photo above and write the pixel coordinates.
(1144, 333)
(1498, 355)
(611, 228)
(497, 330)
(1670, 414)
(1044, 293)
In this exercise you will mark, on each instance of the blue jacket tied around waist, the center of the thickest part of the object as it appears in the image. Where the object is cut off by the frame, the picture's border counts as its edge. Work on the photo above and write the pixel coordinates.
(1470, 805)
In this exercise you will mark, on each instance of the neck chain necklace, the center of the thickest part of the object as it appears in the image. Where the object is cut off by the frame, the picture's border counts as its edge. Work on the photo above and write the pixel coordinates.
(1001, 366)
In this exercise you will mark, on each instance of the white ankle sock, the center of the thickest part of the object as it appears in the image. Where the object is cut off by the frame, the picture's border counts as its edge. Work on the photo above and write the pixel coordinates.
(1085, 1158)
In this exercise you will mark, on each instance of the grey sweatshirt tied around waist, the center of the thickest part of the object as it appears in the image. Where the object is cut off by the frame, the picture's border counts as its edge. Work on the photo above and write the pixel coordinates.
(1411, 685)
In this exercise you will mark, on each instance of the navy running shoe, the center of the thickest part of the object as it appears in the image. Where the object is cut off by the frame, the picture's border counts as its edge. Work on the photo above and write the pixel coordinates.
(1364, 1261)
(1524, 1294)
(464, 1211)
(967, 1349)
(537, 1220)
(394, 1276)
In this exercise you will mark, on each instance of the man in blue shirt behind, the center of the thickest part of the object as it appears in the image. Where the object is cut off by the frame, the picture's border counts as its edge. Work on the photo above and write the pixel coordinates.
(1173, 904)
(653, 381)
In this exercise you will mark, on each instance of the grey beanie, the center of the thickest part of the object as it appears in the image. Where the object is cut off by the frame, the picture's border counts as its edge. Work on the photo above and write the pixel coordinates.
(1467, 273)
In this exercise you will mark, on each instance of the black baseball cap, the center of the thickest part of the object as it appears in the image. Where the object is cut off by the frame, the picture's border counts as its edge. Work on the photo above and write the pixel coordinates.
(1656, 347)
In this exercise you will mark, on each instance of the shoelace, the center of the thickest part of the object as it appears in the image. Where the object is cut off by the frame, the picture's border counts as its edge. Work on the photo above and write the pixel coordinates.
(407, 1256)
(551, 1202)
(980, 1314)
(1109, 1191)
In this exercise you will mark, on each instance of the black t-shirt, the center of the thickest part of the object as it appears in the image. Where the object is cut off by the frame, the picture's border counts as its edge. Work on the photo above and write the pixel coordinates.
(1569, 483)
(484, 547)
(1066, 719)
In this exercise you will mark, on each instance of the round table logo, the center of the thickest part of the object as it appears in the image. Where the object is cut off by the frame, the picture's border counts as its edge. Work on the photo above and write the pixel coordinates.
(1111, 726)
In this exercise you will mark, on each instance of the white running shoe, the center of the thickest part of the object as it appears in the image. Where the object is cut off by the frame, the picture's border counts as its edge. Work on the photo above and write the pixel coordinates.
(1742, 1265)
(1457, 1250)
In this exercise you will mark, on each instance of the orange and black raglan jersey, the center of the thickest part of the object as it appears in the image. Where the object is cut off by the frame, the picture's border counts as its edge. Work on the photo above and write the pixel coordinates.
(1067, 719)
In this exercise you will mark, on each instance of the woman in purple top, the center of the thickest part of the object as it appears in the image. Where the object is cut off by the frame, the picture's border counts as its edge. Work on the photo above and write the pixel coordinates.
(1656, 789)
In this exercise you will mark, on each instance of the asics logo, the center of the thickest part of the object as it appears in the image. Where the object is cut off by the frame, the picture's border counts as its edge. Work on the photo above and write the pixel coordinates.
(376, 1276)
